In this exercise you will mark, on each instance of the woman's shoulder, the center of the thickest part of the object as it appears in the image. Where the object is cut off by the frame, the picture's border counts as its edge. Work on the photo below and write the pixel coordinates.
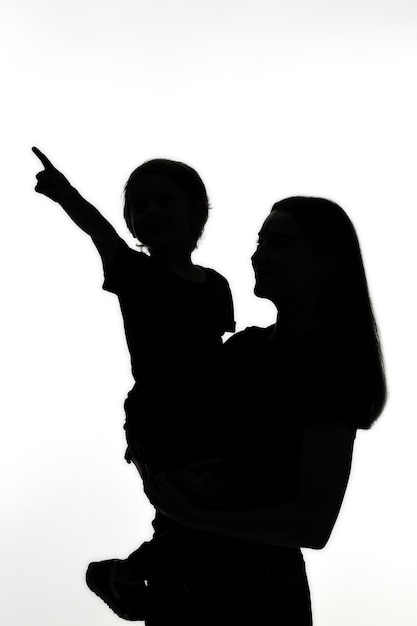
(248, 336)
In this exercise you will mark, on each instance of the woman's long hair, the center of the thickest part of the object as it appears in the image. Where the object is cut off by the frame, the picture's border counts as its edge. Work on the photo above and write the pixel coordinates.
(346, 303)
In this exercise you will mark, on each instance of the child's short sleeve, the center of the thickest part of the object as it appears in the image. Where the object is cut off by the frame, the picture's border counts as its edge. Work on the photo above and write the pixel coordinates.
(223, 303)
(229, 314)
(116, 273)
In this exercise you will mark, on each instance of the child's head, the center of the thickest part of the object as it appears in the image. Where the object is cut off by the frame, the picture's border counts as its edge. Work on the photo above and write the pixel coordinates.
(166, 204)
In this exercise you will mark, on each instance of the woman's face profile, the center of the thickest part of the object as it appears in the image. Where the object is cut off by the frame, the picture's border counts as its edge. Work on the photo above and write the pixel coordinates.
(285, 263)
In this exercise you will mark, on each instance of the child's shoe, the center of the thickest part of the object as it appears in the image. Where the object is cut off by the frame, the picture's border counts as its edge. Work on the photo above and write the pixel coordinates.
(129, 600)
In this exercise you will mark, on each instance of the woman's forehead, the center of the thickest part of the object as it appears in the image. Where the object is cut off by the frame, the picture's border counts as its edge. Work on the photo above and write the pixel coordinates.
(280, 222)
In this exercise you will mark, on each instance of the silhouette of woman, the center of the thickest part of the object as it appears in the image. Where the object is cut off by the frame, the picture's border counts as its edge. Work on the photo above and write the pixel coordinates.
(295, 394)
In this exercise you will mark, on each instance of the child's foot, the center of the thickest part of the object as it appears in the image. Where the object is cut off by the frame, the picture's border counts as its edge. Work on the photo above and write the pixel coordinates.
(129, 600)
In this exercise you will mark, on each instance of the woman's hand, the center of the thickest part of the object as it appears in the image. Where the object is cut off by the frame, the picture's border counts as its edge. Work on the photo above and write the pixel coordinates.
(168, 498)
(202, 482)
(51, 182)
(183, 493)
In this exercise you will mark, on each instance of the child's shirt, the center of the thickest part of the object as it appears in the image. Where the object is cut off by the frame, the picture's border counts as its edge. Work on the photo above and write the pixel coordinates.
(174, 331)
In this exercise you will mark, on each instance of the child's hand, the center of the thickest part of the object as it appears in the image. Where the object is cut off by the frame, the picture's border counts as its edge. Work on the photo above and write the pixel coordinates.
(51, 182)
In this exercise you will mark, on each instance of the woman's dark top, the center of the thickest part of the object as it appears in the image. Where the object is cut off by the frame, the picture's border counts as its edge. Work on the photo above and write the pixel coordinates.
(274, 390)
(174, 331)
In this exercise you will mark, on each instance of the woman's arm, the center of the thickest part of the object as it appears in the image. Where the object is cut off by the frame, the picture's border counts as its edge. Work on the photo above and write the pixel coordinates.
(325, 464)
(53, 184)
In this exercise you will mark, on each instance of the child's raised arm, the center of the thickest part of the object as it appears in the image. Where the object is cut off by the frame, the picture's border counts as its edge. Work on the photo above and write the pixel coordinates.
(53, 184)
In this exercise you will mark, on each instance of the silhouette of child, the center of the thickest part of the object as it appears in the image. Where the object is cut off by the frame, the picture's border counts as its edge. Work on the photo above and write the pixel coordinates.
(174, 313)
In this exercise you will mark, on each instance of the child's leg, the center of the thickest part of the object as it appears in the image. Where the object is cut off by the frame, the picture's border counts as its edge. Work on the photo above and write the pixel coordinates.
(170, 604)
(162, 553)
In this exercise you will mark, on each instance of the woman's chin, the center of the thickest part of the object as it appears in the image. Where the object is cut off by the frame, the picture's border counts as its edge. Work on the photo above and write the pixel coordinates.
(259, 291)
(267, 292)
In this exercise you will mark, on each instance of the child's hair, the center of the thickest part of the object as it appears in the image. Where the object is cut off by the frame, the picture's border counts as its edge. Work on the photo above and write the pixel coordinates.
(186, 178)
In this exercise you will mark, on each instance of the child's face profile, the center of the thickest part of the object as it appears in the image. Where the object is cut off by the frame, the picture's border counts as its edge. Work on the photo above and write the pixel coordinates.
(160, 213)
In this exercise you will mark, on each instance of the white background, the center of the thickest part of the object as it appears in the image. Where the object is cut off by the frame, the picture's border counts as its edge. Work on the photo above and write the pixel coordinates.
(265, 99)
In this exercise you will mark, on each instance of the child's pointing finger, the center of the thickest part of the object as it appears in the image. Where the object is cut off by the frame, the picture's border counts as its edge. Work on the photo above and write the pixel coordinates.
(44, 160)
